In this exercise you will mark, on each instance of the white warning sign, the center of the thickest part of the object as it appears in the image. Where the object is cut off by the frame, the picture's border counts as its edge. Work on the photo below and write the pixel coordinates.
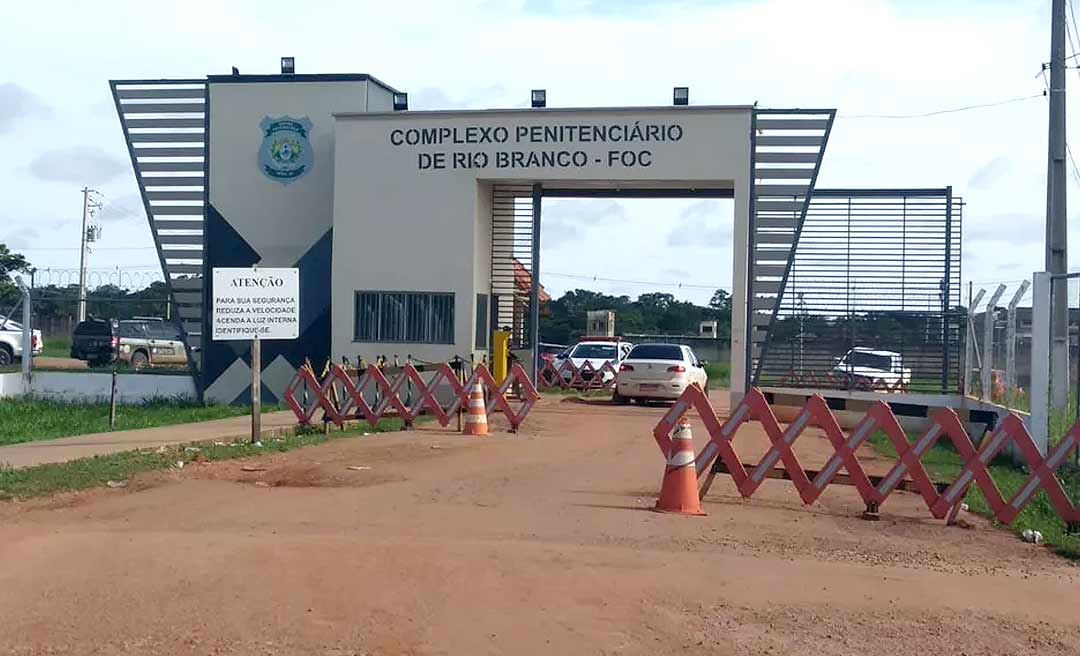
(250, 303)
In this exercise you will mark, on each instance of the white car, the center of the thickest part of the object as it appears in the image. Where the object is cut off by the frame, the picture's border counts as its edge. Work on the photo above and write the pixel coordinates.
(865, 367)
(658, 371)
(596, 353)
(11, 341)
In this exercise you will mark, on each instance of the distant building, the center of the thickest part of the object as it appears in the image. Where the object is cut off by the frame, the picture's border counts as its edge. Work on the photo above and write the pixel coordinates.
(709, 329)
(600, 323)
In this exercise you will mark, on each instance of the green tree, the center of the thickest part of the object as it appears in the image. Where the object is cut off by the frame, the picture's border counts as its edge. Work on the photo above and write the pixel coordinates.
(10, 264)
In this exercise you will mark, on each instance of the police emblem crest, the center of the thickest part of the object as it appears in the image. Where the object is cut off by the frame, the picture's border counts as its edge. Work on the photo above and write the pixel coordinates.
(285, 154)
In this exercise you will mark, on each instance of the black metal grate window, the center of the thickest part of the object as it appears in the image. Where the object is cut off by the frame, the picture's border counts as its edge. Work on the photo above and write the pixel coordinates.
(481, 321)
(875, 275)
(512, 260)
(404, 317)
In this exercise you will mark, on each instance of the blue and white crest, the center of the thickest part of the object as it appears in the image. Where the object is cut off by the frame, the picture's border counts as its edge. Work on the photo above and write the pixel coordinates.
(285, 154)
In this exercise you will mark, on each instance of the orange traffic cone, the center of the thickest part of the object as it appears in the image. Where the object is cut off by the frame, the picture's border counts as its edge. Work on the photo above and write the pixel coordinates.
(678, 494)
(476, 415)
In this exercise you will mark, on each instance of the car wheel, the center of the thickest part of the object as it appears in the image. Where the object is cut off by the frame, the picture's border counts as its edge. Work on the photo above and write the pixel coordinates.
(6, 356)
(139, 360)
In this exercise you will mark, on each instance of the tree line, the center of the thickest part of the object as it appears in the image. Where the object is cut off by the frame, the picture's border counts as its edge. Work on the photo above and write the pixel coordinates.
(563, 320)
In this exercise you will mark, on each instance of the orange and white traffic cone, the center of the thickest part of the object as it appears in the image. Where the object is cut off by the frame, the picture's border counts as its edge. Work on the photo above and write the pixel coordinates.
(679, 494)
(476, 415)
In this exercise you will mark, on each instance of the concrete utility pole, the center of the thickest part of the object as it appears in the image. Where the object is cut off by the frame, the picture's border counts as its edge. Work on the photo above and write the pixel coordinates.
(1056, 222)
(82, 254)
(87, 206)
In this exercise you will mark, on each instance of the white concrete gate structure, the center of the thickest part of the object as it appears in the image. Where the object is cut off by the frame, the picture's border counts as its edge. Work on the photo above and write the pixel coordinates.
(418, 198)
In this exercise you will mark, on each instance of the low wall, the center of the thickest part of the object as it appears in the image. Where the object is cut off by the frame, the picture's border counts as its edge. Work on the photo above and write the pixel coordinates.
(87, 386)
(706, 348)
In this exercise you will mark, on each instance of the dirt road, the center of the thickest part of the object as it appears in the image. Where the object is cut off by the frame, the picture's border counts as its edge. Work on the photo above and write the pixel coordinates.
(538, 543)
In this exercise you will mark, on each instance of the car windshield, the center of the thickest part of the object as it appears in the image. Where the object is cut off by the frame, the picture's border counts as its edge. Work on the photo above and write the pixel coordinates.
(656, 352)
(599, 351)
(869, 360)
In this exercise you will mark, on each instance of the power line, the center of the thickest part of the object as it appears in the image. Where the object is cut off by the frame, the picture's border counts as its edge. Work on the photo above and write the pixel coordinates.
(679, 285)
(945, 111)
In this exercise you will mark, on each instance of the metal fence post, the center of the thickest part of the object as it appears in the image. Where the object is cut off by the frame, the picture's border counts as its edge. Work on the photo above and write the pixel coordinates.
(969, 341)
(988, 342)
(1010, 337)
(1040, 360)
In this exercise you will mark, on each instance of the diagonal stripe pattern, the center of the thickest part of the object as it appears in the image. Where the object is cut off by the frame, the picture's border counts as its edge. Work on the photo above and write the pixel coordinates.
(345, 394)
(944, 424)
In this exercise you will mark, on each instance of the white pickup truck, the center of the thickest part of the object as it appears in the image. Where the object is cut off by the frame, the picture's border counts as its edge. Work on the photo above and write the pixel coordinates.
(11, 341)
(865, 367)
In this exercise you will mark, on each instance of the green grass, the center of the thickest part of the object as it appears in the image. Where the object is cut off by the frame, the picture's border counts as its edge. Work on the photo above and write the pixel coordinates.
(944, 464)
(719, 375)
(30, 419)
(99, 470)
(57, 347)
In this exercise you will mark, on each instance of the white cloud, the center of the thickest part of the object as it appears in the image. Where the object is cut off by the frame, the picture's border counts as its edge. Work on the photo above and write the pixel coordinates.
(78, 165)
(17, 103)
(990, 173)
(704, 224)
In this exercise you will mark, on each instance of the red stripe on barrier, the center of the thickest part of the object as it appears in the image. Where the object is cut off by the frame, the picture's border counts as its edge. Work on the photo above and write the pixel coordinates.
(343, 397)
(907, 470)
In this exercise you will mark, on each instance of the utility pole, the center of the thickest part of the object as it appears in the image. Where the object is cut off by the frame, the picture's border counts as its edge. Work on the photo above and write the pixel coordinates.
(88, 206)
(1056, 222)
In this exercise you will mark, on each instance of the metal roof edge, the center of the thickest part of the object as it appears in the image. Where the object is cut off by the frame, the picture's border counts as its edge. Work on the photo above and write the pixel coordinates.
(542, 110)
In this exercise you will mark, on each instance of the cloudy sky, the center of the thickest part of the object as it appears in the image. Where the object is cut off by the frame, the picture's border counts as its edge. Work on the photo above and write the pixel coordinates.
(59, 131)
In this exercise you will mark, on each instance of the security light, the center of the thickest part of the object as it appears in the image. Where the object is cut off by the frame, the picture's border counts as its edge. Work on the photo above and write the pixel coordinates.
(681, 96)
(288, 65)
(539, 98)
(401, 102)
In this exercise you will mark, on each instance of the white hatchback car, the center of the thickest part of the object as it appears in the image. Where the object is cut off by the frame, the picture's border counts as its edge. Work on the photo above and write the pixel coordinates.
(658, 372)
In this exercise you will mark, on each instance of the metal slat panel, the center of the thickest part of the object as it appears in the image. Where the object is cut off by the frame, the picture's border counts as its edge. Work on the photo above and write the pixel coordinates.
(764, 303)
(781, 190)
(166, 92)
(767, 287)
(774, 238)
(175, 195)
(771, 270)
(792, 123)
(178, 225)
(164, 123)
(189, 240)
(786, 158)
(783, 173)
(168, 137)
(189, 312)
(176, 210)
(187, 283)
(177, 151)
(163, 108)
(173, 181)
(774, 222)
(192, 327)
(870, 270)
(788, 140)
(778, 205)
(169, 167)
(184, 268)
(188, 298)
(182, 254)
(193, 340)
